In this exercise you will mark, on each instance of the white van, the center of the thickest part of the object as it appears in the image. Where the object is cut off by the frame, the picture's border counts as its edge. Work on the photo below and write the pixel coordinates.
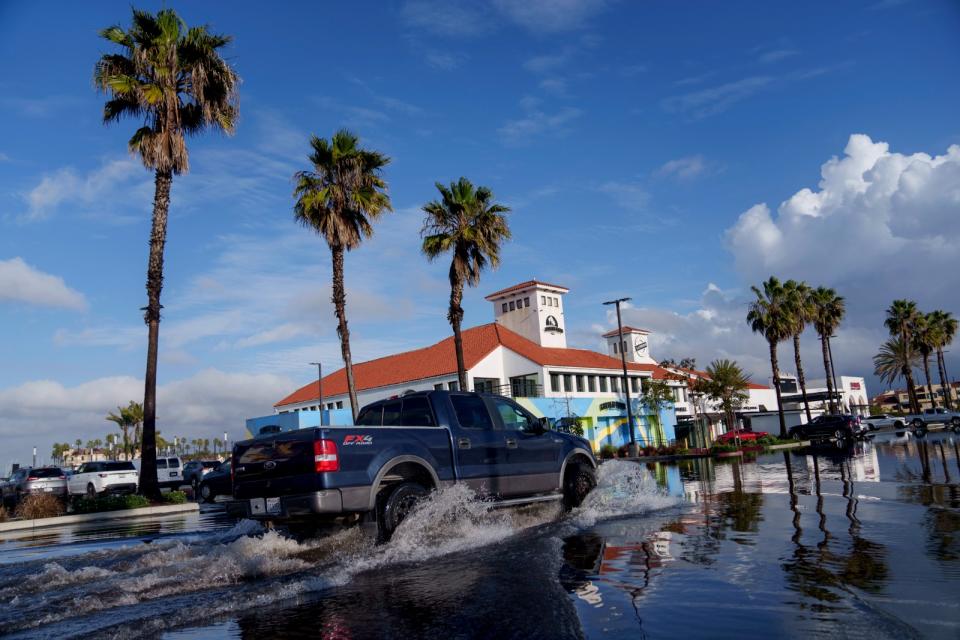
(169, 471)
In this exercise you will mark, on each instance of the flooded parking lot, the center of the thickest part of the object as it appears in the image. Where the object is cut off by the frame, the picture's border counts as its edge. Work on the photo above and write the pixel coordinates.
(862, 542)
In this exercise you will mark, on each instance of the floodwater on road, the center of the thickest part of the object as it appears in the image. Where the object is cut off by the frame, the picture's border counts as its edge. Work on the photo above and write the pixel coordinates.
(858, 542)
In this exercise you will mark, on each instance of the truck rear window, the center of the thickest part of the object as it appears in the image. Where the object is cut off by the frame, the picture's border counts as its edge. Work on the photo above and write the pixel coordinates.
(49, 472)
(416, 413)
(370, 417)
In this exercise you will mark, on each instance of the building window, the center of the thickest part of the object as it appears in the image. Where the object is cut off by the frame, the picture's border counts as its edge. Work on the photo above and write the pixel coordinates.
(513, 306)
(453, 386)
(556, 302)
(568, 383)
(339, 404)
(615, 384)
(503, 308)
(603, 384)
(592, 384)
(555, 383)
(580, 384)
(635, 385)
(543, 300)
(526, 302)
(615, 348)
(438, 386)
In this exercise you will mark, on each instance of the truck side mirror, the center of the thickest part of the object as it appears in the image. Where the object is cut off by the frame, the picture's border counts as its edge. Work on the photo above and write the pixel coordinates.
(543, 425)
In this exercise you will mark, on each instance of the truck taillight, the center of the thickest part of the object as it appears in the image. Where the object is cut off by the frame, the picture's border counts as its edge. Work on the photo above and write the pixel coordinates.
(325, 456)
(32, 478)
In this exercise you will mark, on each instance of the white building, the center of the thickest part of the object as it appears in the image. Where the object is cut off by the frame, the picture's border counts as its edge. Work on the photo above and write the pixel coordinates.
(523, 353)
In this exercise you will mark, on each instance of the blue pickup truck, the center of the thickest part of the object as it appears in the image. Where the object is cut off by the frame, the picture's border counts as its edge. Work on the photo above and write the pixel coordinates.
(403, 448)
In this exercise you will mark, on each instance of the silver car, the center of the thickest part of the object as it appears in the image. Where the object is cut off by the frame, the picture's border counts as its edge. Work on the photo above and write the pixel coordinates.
(23, 482)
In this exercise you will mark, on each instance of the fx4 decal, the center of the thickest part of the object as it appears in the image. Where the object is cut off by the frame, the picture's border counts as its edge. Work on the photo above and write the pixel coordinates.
(357, 440)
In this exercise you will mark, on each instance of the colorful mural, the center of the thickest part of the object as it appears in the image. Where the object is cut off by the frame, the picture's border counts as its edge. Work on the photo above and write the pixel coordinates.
(604, 420)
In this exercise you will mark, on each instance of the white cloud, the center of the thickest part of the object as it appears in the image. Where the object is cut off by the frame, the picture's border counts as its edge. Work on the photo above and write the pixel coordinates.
(628, 195)
(453, 18)
(548, 62)
(92, 192)
(708, 102)
(776, 55)
(550, 16)
(206, 404)
(19, 282)
(880, 225)
(537, 123)
(683, 168)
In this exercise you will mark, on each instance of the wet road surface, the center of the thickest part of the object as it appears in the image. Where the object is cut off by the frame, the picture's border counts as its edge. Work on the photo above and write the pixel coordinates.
(860, 542)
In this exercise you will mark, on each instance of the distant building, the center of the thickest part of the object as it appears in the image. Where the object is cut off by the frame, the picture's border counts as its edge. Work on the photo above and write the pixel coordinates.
(76, 457)
(898, 400)
(850, 394)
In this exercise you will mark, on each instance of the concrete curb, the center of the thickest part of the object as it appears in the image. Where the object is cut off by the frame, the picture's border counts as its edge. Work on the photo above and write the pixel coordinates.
(41, 523)
(789, 445)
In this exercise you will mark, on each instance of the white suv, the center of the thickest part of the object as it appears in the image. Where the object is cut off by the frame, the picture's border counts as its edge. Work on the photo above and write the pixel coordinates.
(95, 478)
(169, 471)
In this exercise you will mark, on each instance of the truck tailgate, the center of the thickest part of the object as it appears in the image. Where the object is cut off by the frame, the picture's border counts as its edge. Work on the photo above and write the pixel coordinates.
(278, 465)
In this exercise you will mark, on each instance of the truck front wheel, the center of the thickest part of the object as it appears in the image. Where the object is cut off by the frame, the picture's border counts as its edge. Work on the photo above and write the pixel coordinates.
(577, 483)
(395, 504)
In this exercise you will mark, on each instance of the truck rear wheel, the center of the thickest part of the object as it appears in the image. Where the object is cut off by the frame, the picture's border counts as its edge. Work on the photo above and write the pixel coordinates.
(577, 483)
(395, 504)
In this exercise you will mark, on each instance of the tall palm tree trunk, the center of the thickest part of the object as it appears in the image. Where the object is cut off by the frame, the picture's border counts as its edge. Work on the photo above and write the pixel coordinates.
(126, 441)
(944, 383)
(775, 365)
(926, 373)
(340, 304)
(800, 377)
(455, 315)
(826, 370)
(911, 390)
(158, 239)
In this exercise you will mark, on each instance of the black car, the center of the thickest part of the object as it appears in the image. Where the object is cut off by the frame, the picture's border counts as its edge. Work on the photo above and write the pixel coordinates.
(216, 483)
(195, 470)
(834, 427)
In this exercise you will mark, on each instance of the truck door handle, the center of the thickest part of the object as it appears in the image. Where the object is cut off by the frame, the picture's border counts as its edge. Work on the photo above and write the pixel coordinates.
(511, 443)
(463, 443)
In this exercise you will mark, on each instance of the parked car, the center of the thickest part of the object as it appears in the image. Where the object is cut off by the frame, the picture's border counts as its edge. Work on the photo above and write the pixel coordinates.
(106, 477)
(940, 415)
(39, 480)
(195, 470)
(745, 435)
(824, 427)
(882, 421)
(400, 450)
(168, 471)
(217, 482)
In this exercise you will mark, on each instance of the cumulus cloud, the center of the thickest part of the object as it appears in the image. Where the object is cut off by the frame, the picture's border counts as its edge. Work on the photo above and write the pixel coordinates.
(19, 282)
(550, 16)
(41, 412)
(66, 187)
(880, 225)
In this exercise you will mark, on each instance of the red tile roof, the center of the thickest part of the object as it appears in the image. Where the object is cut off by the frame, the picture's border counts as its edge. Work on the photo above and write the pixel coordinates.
(440, 359)
(524, 285)
(610, 334)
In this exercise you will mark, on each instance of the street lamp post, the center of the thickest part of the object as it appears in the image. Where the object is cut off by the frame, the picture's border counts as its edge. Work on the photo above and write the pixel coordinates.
(626, 382)
(34, 456)
(320, 386)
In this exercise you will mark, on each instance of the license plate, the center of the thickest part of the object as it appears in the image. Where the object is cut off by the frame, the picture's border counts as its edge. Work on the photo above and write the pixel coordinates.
(173, 474)
(265, 506)
(273, 506)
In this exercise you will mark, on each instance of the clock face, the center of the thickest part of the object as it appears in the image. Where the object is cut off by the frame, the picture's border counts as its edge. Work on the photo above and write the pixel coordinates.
(641, 347)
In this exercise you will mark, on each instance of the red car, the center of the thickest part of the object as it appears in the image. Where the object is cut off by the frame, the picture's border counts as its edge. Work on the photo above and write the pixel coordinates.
(730, 437)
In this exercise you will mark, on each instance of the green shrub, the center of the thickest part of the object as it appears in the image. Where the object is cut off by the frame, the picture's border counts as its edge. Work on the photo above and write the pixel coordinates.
(109, 503)
(608, 451)
(175, 497)
(722, 448)
(39, 505)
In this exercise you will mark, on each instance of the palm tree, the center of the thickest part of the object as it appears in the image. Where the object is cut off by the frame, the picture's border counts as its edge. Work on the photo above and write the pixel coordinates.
(173, 81)
(78, 442)
(338, 199)
(122, 420)
(727, 386)
(925, 338)
(467, 223)
(946, 330)
(901, 316)
(802, 312)
(769, 315)
(828, 311)
(895, 360)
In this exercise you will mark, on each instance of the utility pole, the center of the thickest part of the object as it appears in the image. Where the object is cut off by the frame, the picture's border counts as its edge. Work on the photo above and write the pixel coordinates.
(320, 387)
(626, 382)
(833, 374)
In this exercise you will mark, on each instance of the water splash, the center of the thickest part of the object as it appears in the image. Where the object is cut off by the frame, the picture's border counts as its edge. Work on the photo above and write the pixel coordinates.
(623, 488)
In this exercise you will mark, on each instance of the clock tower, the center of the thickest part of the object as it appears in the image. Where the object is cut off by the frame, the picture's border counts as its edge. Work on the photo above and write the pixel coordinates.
(633, 343)
(534, 309)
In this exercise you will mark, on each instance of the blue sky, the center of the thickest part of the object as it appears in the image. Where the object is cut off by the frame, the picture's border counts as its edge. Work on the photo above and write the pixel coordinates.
(633, 140)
